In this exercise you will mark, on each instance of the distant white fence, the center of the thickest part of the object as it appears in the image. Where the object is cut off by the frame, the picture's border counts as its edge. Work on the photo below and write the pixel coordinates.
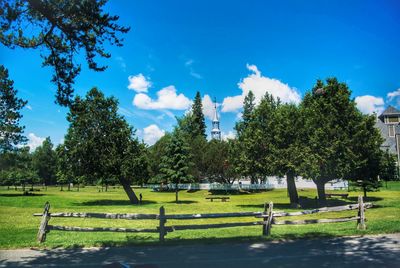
(271, 183)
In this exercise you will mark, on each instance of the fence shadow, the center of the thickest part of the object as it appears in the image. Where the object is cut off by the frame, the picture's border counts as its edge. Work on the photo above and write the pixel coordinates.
(326, 251)
(110, 202)
(310, 203)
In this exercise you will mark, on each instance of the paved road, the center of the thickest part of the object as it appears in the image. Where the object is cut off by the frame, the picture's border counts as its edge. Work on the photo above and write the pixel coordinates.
(367, 251)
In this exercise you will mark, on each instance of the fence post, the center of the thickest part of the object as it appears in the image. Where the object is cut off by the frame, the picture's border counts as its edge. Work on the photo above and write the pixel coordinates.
(162, 224)
(41, 236)
(269, 219)
(264, 226)
(361, 214)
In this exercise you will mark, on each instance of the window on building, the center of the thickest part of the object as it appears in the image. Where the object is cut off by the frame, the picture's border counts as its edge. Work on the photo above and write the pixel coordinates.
(391, 131)
(393, 119)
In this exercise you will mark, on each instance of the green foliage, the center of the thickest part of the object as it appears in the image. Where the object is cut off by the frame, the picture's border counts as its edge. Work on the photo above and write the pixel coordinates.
(388, 168)
(17, 168)
(217, 163)
(61, 29)
(99, 144)
(339, 142)
(176, 163)
(44, 160)
(155, 154)
(198, 125)
(10, 106)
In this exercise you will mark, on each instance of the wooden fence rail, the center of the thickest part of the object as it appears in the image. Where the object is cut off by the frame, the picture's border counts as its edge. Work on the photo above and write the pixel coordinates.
(268, 219)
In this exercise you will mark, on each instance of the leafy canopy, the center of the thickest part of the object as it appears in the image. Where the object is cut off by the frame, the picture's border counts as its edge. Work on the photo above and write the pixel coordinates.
(61, 29)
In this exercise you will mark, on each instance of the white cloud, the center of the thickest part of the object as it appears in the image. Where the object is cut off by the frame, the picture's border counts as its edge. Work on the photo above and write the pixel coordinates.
(259, 85)
(138, 83)
(28, 107)
(152, 134)
(34, 141)
(166, 99)
(393, 95)
(369, 104)
(228, 136)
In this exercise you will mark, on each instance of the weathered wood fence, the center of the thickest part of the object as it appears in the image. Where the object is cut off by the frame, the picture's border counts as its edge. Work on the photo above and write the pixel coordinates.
(268, 219)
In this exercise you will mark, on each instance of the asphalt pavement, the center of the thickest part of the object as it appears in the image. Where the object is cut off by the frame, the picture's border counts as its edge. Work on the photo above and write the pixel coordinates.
(366, 251)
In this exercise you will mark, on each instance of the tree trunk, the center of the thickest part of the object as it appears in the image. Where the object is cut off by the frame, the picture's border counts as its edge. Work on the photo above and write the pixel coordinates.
(61, 188)
(321, 193)
(106, 187)
(176, 193)
(129, 192)
(292, 191)
(78, 187)
(365, 192)
(69, 187)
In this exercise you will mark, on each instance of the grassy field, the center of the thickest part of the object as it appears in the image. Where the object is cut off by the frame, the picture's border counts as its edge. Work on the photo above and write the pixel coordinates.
(18, 227)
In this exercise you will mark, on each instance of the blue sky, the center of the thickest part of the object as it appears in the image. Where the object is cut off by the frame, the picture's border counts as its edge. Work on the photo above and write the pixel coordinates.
(223, 49)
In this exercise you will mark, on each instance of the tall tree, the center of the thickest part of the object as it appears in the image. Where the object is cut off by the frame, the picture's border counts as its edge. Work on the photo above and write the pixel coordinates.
(45, 162)
(248, 108)
(100, 144)
(11, 132)
(61, 29)
(198, 125)
(242, 148)
(331, 120)
(176, 162)
(288, 146)
(366, 145)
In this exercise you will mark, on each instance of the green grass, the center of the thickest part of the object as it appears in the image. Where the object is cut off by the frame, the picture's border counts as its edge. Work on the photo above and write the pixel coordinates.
(18, 227)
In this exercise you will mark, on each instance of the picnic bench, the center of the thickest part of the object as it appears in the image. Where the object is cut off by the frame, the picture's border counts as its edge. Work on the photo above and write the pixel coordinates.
(341, 195)
(223, 199)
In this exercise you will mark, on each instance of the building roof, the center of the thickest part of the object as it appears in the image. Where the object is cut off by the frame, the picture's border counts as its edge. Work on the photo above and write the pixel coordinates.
(389, 111)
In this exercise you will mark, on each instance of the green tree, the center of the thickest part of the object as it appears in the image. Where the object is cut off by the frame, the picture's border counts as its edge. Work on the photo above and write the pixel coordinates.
(45, 162)
(155, 154)
(331, 120)
(176, 162)
(10, 106)
(388, 168)
(366, 145)
(198, 125)
(219, 168)
(190, 131)
(241, 150)
(99, 143)
(64, 167)
(287, 131)
(61, 29)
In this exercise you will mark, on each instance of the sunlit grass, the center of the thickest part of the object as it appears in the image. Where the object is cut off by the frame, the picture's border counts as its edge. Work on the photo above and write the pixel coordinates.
(18, 227)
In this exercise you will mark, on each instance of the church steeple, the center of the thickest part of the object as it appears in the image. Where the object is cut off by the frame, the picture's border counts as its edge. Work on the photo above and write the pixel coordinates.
(215, 132)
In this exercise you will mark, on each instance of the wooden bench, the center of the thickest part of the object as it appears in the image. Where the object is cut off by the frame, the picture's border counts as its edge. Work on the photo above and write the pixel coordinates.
(223, 199)
(341, 195)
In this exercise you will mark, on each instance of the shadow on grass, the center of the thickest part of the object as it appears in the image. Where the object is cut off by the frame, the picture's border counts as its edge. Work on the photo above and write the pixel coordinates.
(237, 192)
(30, 194)
(293, 250)
(310, 203)
(183, 202)
(109, 202)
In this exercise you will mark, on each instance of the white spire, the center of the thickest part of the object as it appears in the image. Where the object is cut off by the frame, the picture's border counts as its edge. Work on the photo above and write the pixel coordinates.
(215, 118)
(215, 132)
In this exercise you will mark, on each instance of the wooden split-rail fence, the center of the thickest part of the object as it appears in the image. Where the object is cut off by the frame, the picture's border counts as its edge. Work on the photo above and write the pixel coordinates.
(267, 219)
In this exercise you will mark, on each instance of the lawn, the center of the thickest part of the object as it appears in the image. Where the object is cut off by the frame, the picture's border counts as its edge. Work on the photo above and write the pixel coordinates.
(18, 227)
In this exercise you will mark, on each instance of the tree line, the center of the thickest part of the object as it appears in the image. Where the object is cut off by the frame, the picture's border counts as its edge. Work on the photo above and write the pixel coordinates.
(324, 138)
